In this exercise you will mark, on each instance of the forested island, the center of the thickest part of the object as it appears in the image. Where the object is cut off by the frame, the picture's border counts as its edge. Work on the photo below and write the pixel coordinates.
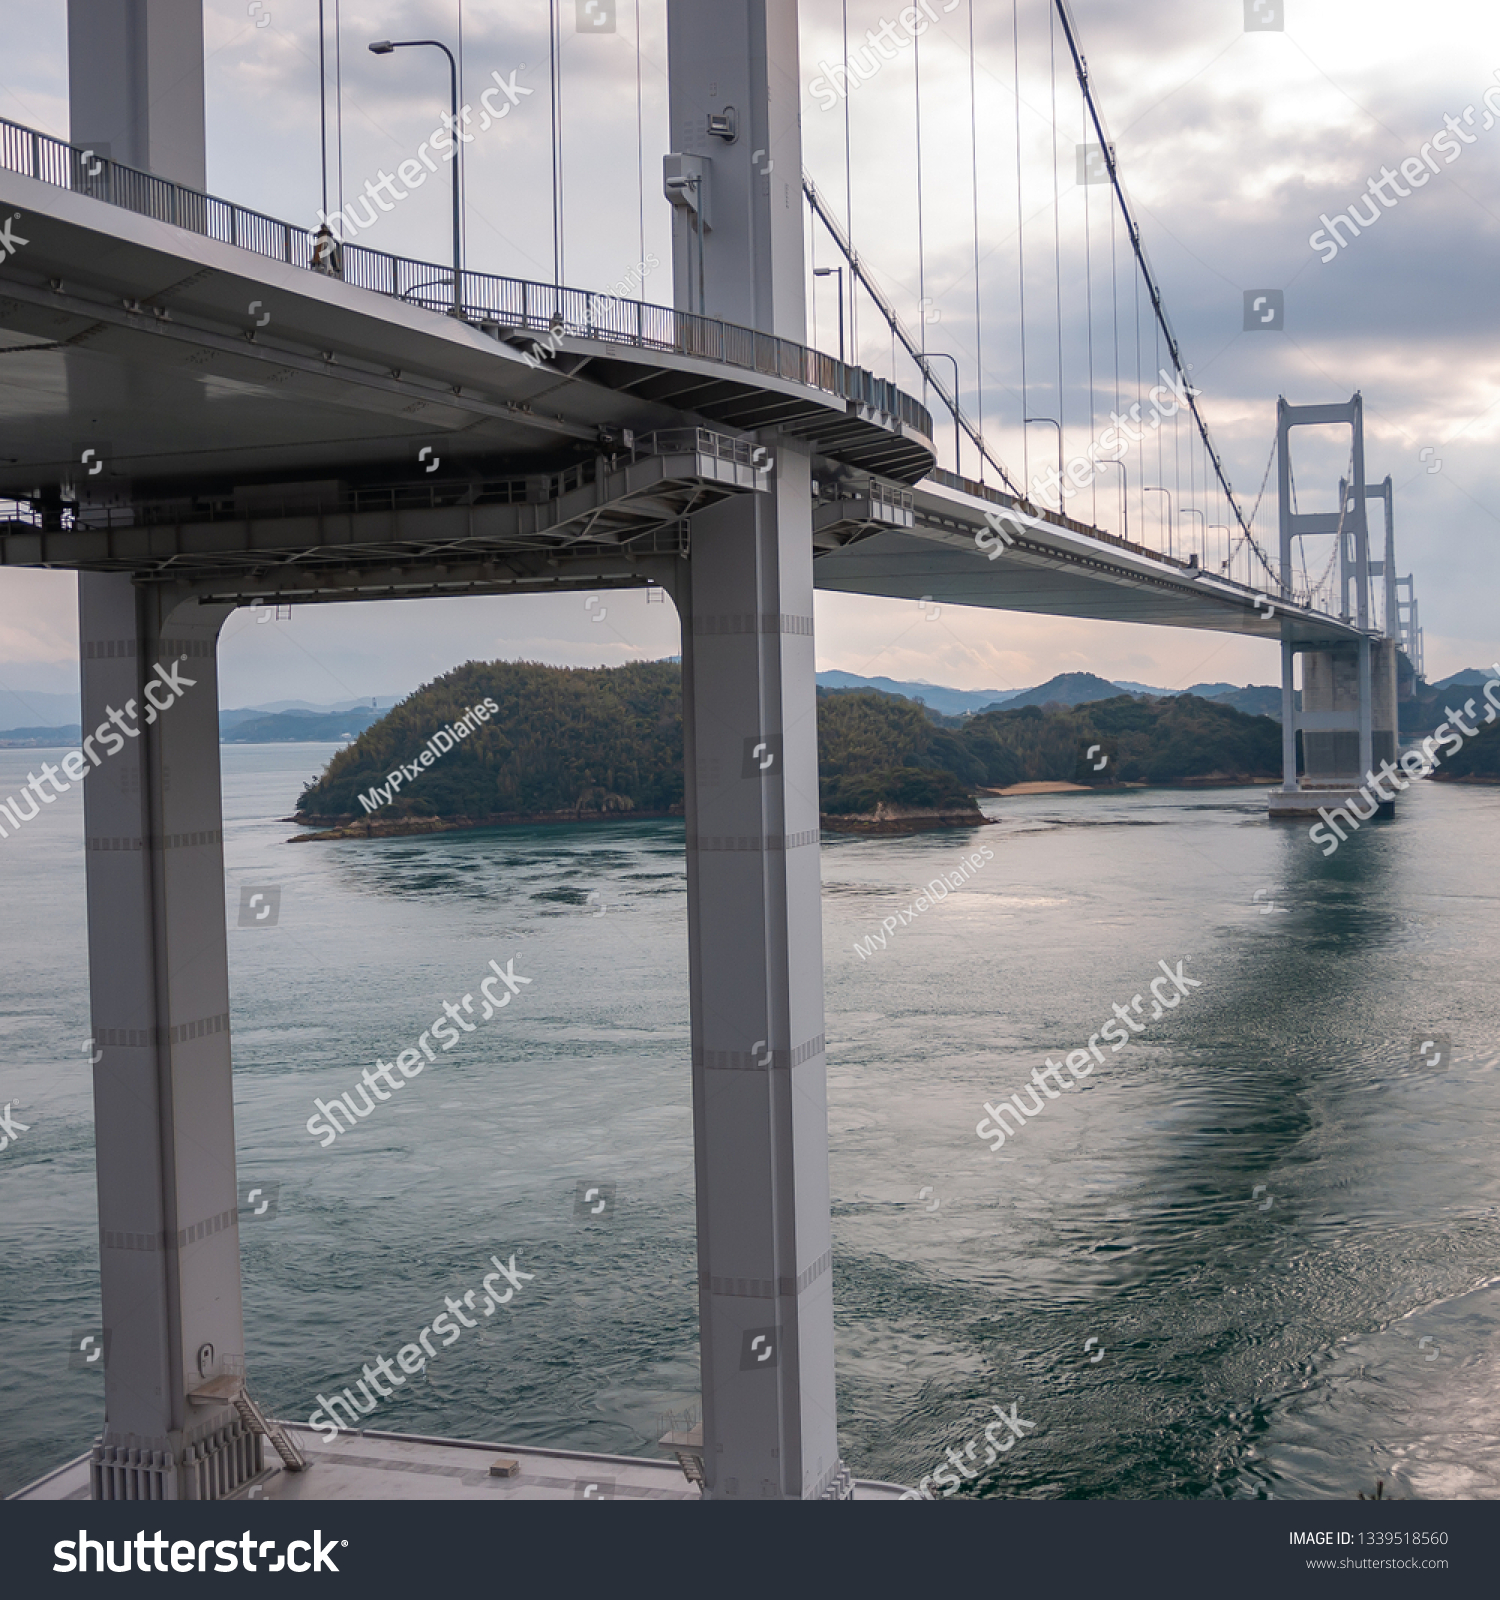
(1479, 759)
(499, 742)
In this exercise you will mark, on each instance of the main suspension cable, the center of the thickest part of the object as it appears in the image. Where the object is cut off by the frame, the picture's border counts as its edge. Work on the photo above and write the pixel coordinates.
(1081, 68)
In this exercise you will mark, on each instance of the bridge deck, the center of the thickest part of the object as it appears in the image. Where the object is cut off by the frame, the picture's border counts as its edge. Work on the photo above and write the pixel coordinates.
(184, 388)
(393, 1466)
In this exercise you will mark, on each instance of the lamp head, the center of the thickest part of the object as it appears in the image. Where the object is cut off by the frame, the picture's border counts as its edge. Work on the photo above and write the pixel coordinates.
(824, 272)
(382, 47)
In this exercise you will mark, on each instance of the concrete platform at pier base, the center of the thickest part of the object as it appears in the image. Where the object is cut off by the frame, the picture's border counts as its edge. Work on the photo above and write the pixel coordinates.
(1310, 802)
(399, 1466)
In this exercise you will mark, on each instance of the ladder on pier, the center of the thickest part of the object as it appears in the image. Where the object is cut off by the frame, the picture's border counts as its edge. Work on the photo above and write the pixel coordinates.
(231, 1388)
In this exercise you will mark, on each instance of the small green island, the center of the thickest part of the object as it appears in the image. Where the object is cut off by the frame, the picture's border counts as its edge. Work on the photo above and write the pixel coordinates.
(491, 743)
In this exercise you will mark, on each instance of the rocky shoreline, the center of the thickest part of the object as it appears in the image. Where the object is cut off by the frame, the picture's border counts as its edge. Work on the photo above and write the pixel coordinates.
(885, 819)
(888, 818)
(334, 828)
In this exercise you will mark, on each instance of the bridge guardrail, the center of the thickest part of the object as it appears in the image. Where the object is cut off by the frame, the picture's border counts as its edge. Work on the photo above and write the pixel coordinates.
(485, 297)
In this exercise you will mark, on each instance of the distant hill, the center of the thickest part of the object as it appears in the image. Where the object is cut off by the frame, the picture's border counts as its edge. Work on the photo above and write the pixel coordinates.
(31, 710)
(950, 702)
(1477, 762)
(295, 727)
(1431, 702)
(1470, 677)
(41, 738)
(566, 742)
(581, 743)
(1258, 700)
(1068, 689)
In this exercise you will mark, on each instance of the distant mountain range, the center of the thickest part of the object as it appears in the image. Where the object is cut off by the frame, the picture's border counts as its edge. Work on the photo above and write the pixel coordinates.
(23, 723)
(951, 702)
(280, 722)
(1067, 689)
(296, 727)
(1469, 678)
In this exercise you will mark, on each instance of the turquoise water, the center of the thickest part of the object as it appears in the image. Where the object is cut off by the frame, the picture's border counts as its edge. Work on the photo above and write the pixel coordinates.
(1345, 1332)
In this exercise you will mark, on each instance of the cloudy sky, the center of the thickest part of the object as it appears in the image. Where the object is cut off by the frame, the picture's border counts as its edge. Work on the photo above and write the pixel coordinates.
(1231, 143)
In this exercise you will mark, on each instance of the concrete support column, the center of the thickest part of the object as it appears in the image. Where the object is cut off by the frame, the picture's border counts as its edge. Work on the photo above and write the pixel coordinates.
(756, 959)
(1288, 709)
(159, 989)
(135, 84)
(736, 113)
(1366, 711)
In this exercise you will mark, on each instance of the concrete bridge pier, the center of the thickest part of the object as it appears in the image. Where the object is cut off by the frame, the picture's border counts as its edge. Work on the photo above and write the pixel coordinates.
(1348, 717)
(159, 991)
(751, 748)
(756, 957)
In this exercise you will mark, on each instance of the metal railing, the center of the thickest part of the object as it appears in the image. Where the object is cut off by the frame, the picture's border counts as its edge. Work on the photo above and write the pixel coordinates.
(511, 303)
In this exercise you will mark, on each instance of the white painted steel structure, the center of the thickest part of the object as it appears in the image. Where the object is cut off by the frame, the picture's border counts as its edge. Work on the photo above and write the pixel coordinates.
(194, 420)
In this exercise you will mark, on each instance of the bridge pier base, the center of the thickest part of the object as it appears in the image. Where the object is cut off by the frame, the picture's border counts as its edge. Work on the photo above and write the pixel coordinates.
(169, 1259)
(1349, 729)
(756, 967)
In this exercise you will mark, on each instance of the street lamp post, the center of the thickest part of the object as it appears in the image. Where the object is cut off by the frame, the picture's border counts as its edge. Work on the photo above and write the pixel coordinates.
(823, 272)
(1109, 461)
(1225, 526)
(1193, 511)
(1052, 422)
(958, 468)
(383, 47)
(1156, 488)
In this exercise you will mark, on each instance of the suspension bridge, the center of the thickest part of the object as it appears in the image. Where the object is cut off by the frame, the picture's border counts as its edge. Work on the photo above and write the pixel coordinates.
(206, 407)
